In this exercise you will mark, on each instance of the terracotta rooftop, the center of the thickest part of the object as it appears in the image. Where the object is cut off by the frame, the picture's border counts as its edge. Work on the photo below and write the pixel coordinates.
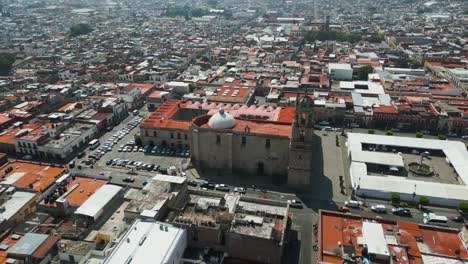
(145, 87)
(8, 136)
(235, 94)
(24, 173)
(161, 118)
(80, 189)
(408, 242)
(10, 242)
(46, 246)
(255, 127)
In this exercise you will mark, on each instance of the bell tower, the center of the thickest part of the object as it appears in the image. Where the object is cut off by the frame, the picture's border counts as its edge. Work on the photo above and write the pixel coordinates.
(301, 145)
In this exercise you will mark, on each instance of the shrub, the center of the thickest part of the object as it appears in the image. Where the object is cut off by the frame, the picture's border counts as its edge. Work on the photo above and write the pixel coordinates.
(371, 131)
(419, 134)
(441, 137)
(423, 200)
(395, 198)
(403, 204)
(463, 207)
(389, 132)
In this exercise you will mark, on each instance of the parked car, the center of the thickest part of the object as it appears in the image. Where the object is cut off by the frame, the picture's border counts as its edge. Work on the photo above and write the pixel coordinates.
(457, 218)
(353, 204)
(207, 185)
(109, 162)
(354, 125)
(239, 190)
(81, 154)
(222, 187)
(343, 209)
(192, 183)
(379, 208)
(401, 211)
(129, 179)
(295, 204)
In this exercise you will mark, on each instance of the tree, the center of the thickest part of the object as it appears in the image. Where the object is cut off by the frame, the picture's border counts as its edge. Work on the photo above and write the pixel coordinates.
(389, 132)
(363, 72)
(6, 62)
(463, 207)
(371, 131)
(395, 198)
(441, 137)
(376, 38)
(423, 200)
(419, 134)
(80, 29)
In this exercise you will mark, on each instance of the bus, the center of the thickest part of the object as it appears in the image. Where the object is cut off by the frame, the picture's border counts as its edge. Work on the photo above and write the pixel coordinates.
(93, 144)
(433, 219)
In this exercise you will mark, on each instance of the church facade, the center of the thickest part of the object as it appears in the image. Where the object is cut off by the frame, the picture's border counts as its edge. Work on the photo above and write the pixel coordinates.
(221, 138)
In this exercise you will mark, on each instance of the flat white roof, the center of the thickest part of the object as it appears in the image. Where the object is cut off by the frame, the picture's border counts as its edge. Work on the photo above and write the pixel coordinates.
(455, 152)
(95, 204)
(382, 158)
(375, 239)
(18, 200)
(148, 242)
(341, 66)
(169, 178)
(372, 87)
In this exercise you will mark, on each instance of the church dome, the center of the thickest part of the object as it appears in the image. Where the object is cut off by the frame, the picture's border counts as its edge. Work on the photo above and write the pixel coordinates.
(222, 120)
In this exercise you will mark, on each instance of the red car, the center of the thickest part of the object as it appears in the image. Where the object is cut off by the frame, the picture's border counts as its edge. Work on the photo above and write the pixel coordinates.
(457, 219)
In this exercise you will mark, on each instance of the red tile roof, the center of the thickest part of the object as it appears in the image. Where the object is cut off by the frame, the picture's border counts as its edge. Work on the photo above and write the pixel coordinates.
(145, 87)
(40, 176)
(337, 230)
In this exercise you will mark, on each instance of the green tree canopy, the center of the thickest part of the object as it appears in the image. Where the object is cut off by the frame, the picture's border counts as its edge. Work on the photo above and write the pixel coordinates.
(80, 29)
(376, 38)
(6, 62)
(363, 72)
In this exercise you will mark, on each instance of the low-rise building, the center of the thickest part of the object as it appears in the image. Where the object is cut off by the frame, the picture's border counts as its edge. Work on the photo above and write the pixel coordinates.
(149, 241)
(354, 238)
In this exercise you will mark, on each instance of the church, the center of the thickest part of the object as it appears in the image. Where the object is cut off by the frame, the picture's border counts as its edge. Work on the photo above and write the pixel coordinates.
(262, 141)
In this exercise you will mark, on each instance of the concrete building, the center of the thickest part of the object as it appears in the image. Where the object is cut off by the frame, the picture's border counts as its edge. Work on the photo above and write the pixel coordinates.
(151, 241)
(246, 229)
(91, 210)
(177, 87)
(340, 71)
(380, 165)
(68, 142)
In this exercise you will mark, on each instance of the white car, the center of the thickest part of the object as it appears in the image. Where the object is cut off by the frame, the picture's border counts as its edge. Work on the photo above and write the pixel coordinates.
(239, 190)
(295, 204)
(379, 208)
(353, 203)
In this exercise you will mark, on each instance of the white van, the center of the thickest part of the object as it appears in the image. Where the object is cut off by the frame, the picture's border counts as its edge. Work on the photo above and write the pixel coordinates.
(353, 204)
(433, 219)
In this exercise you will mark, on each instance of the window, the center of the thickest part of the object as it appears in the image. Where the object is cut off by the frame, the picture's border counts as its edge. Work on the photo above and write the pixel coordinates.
(244, 140)
(29, 145)
(172, 135)
(185, 137)
(218, 139)
(146, 132)
(267, 143)
(178, 135)
(155, 134)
